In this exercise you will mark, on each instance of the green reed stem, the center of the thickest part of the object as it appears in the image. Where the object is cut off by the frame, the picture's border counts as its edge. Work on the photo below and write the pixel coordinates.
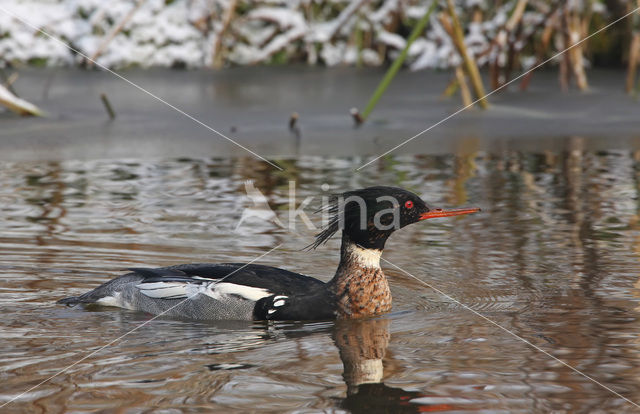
(395, 66)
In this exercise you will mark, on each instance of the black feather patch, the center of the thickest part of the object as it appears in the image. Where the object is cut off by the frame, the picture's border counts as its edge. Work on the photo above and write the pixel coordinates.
(333, 210)
(147, 272)
(355, 213)
(347, 209)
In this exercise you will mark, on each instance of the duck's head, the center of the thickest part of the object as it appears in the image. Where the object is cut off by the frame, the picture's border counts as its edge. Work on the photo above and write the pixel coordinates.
(368, 216)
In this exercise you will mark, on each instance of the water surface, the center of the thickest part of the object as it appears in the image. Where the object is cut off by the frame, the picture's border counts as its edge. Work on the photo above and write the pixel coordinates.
(553, 258)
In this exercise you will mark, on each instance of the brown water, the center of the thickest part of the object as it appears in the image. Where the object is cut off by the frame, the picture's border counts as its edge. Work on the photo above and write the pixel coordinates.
(553, 258)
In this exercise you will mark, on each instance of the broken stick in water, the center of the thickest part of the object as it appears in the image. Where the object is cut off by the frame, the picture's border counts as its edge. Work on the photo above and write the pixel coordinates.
(107, 106)
(355, 114)
(293, 119)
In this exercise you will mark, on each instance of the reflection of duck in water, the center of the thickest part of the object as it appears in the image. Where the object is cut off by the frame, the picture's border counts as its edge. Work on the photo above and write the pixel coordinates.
(367, 217)
(363, 345)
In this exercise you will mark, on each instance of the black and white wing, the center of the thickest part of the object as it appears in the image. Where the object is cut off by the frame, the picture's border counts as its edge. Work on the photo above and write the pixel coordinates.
(200, 291)
(220, 281)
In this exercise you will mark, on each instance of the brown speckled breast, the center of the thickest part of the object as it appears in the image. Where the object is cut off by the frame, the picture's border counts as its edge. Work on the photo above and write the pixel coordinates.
(362, 292)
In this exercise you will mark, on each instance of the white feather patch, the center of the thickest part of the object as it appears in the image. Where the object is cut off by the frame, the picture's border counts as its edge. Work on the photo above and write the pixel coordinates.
(220, 291)
(163, 290)
(365, 257)
(193, 289)
(278, 303)
(115, 300)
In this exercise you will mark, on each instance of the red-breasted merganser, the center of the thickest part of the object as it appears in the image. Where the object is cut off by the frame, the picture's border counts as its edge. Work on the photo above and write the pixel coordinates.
(367, 217)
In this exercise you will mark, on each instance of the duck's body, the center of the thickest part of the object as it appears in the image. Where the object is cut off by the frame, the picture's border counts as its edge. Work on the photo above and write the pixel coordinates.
(247, 291)
(256, 292)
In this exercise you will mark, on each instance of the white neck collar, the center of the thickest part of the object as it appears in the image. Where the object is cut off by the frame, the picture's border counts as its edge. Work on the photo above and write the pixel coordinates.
(364, 257)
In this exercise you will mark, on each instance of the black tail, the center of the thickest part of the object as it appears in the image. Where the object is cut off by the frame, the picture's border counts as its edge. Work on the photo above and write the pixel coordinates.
(73, 300)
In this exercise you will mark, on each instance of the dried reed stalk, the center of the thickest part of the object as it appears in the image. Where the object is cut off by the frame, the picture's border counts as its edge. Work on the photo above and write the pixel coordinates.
(547, 25)
(464, 87)
(469, 64)
(634, 55)
(345, 15)
(217, 61)
(114, 32)
(460, 79)
(576, 53)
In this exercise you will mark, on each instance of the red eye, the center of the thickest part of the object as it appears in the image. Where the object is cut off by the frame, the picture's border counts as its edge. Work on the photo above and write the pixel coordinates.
(409, 204)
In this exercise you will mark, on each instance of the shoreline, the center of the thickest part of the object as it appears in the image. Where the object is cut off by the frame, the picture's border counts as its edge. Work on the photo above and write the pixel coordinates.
(252, 106)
